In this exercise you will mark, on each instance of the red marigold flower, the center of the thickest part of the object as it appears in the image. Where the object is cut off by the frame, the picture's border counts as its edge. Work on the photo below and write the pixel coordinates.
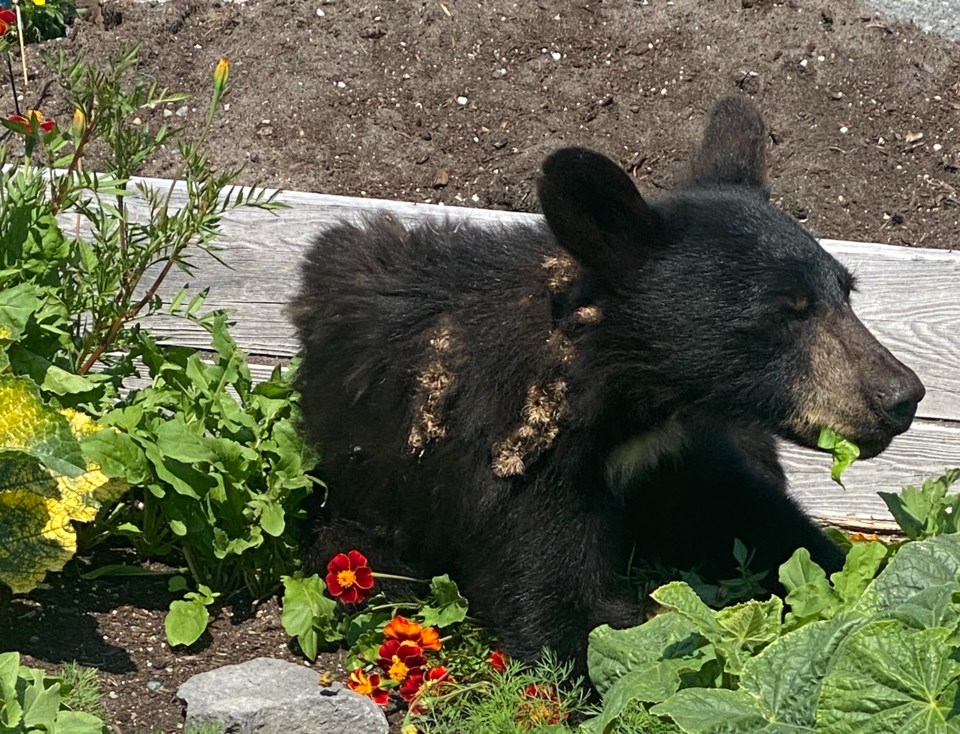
(8, 20)
(401, 660)
(369, 685)
(410, 688)
(349, 577)
(25, 126)
(542, 706)
(400, 628)
(498, 660)
(433, 679)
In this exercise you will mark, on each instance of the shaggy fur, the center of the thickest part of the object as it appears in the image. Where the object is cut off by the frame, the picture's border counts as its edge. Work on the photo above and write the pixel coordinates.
(527, 406)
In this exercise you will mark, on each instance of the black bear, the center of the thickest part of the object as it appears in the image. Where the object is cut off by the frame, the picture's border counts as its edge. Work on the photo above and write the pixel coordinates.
(530, 406)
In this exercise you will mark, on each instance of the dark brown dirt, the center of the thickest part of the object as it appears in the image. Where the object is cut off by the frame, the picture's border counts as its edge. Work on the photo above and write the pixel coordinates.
(457, 102)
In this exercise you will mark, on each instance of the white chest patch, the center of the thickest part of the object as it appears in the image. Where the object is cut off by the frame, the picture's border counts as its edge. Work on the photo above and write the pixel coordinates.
(639, 455)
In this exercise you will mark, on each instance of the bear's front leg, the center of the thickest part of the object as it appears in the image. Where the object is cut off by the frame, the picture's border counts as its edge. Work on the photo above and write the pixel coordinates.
(726, 484)
(550, 574)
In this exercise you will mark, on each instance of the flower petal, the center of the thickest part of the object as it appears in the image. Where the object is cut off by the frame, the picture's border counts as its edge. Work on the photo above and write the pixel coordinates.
(356, 559)
(338, 563)
(363, 577)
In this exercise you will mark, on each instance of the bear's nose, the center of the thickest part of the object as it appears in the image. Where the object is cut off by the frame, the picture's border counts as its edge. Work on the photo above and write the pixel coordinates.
(899, 402)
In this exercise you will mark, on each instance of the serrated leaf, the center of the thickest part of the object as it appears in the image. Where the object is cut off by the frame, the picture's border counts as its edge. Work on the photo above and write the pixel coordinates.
(712, 711)
(859, 569)
(809, 594)
(613, 653)
(893, 679)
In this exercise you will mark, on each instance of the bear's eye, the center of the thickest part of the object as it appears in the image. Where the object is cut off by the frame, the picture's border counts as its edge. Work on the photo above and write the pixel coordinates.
(796, 306)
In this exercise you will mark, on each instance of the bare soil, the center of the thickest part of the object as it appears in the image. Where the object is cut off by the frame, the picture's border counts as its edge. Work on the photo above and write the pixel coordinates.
(458, 101)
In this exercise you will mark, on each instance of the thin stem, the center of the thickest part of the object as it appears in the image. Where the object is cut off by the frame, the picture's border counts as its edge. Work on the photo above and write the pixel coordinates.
(13, 83)
(378, 575)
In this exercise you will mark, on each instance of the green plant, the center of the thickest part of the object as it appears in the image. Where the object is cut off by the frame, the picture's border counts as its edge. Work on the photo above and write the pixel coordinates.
(32, 701)
(73, 306)
(223, 467)
(82, 689)
(542, 698)
(871, 649)
(188, 617)
(45, 19)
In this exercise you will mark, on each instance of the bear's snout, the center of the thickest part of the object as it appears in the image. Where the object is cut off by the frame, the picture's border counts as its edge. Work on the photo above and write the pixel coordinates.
(898, 403)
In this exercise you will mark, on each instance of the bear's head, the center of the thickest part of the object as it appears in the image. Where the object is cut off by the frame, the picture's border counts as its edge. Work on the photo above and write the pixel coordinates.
(715, 301)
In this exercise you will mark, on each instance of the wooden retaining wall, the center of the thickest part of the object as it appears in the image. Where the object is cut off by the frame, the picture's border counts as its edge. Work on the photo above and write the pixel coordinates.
(909, 297)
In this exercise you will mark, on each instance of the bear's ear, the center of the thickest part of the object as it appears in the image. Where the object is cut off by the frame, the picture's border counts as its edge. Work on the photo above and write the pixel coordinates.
(595, 212)
(732, 152)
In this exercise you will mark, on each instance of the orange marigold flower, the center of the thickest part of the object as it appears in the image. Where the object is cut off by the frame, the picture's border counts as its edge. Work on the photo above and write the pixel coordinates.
(400, 628)
(8, 20)
(369, 685)
(349, 577)
(432, 680)
(401, 660)
(498, 660)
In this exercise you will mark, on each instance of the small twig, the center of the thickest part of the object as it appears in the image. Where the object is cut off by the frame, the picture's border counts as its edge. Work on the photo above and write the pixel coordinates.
(23, 51)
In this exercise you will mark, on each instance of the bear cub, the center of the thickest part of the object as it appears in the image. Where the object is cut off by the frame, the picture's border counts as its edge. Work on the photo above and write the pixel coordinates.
(528, 406)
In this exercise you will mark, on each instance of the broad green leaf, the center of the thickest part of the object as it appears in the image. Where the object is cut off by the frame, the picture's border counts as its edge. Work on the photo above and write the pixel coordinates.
(447, 605)
(808, 591)
(785, 677)
(613, 653)
(10, 708)
(30, 426)
(40, 703)
(682, 599)
(893, 679)
(17, 304)
(711, 711)
(859, 569)
(655, 683)
(117, 454)
(185, 622)
(304, 603)
(917, 567)
(178, 441)
(78, 722)
(272, 519)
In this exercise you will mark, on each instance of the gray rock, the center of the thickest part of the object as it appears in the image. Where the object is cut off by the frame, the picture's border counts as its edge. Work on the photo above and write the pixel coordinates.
(269, 696)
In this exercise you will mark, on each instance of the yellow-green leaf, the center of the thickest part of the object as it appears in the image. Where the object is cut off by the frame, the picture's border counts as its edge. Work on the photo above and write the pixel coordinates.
(30, 426)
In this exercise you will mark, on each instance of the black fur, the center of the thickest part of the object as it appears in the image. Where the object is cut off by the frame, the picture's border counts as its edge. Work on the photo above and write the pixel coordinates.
(478, 393)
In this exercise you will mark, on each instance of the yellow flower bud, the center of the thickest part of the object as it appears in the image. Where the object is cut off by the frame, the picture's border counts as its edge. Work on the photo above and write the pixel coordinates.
(221, 73)
(79, 123)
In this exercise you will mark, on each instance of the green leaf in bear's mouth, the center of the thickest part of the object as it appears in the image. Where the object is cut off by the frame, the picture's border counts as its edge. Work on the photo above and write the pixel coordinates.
(844, 451)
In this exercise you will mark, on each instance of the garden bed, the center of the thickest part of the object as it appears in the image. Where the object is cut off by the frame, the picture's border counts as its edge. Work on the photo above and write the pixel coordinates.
(457, 103)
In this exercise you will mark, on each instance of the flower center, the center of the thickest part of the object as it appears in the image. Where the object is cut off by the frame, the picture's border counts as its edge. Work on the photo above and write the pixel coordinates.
(398, 669)
(364, 688)
(347, 578)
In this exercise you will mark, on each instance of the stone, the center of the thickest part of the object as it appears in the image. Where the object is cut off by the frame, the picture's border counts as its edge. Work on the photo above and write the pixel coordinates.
(270, 696)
